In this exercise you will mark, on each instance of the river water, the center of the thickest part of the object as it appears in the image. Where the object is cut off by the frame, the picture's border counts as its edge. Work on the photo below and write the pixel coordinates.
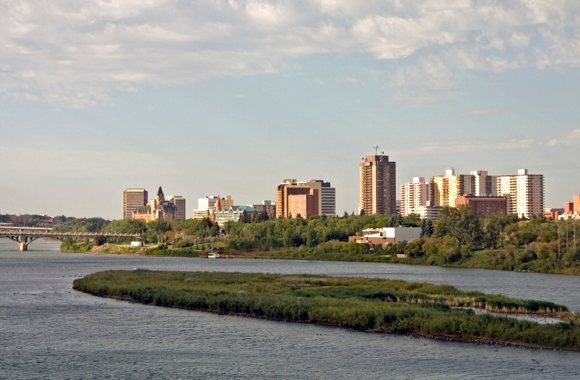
(49, 331)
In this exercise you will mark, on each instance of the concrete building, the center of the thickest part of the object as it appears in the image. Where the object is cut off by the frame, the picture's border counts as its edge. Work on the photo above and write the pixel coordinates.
(266, 206)
(387, 235)
(448, 187)
(524, 193)
(295, 198)
(378, 185)
(428, 211)
(576, 201)
(483, 184)
(133, 198)
(483, 206)
(179, 202)
(413, 196)
(327, 196)
(158, 209)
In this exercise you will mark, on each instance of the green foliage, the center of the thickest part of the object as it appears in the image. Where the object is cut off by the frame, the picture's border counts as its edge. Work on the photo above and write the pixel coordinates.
(460, 223)
(364, 304)
(126, 226)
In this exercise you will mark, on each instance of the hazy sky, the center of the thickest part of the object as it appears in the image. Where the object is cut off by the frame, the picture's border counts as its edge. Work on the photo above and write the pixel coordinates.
(231, 97)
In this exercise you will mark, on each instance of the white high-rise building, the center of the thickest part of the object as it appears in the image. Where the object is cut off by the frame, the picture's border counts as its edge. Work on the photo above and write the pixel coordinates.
(413, 196)
(524, 193)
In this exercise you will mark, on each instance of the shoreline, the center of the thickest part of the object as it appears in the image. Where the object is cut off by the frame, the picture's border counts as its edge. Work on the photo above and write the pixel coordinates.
(155, 250)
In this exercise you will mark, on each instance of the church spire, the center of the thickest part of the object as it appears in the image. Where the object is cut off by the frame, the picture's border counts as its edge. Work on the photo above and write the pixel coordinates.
(160, 195)
(218, 204)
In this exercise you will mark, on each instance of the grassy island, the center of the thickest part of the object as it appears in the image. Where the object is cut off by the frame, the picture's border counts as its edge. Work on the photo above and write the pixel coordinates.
(372, 305)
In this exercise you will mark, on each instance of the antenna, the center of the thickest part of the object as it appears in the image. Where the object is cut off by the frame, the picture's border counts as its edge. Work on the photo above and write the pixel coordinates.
(376, 148)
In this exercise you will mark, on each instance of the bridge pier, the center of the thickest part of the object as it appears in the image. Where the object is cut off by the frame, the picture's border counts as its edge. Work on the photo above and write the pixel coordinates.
(22, 240)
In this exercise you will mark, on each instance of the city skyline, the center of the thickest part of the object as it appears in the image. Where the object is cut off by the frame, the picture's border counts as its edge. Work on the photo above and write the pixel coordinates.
(256, 91)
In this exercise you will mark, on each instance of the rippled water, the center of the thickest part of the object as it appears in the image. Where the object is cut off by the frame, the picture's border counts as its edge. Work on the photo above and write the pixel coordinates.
(47, 330)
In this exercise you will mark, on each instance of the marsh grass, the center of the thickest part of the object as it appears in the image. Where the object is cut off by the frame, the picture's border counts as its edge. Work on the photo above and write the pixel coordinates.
(376, 305)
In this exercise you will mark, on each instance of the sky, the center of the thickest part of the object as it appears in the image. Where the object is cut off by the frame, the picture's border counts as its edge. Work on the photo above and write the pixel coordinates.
(232, 96)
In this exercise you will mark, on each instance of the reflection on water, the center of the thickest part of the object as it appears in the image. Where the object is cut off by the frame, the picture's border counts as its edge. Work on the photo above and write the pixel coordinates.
(48, 330)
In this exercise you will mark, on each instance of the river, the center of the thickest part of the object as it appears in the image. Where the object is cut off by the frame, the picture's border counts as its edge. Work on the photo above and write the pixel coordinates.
(49, 331)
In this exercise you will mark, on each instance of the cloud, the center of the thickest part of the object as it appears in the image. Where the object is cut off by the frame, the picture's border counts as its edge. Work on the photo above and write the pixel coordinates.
(571, 138)
(76, 53)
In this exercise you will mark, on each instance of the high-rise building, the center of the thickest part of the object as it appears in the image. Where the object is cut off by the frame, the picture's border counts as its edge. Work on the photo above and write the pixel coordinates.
(576, 201)
(295, 198)
(484, 185)
(179, 202)
(413, 195)
(378, 187)
(133, 198)
(524, 193)
(448, 187)
(327, 196)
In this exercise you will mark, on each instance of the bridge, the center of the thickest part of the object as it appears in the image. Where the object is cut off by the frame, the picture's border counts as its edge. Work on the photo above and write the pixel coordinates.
(26, 235)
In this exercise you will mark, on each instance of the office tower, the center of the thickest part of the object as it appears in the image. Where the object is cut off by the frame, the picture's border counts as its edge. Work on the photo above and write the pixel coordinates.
(378, 188)
(327, 196)
(179, 203)
(413, 195)
(524, 193)
(295, 198)
(448, 187)
(132, 200)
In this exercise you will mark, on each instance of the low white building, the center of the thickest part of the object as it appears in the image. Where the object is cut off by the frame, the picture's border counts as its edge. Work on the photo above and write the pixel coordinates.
(387, 235)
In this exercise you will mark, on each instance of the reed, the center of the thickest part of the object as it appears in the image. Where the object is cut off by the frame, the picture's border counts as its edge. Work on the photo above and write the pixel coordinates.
(377, 305)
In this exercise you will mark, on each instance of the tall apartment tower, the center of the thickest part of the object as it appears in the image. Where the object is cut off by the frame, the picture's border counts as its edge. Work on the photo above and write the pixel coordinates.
(484, 184)
(448, 187)
(378, 187)
(524, 193)
(179, 203)
(413, 195)
(132, 200)
(327, 196)
(295, 198)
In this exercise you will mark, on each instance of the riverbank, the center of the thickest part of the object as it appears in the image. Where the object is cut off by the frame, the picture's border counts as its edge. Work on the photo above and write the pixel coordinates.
(475, 260)
(371, 305)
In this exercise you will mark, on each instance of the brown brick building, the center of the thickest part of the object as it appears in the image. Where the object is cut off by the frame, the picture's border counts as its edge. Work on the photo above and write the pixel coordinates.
(295, 198)
(483, 206)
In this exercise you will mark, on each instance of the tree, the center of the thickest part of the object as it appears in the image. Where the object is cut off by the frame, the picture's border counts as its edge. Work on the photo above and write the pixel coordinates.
(460, 223)
(412, 220)
(426, 228)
